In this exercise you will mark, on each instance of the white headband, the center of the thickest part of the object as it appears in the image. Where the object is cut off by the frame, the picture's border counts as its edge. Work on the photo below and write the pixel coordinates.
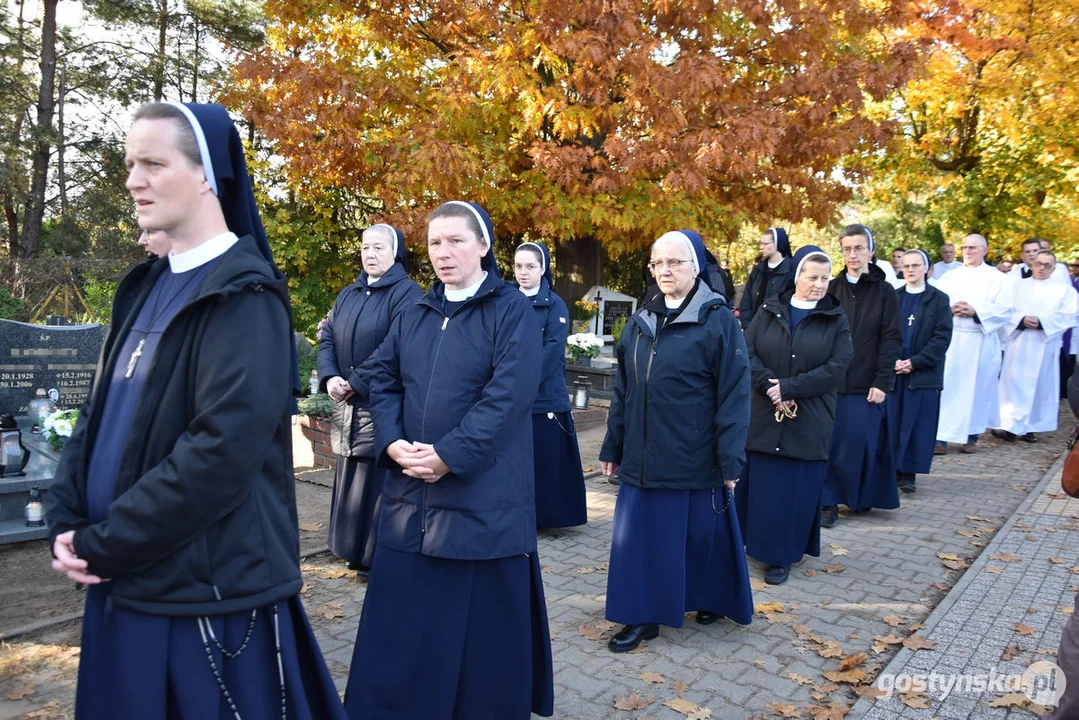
(393, 235)
(200, 138)
(675, 235)
(810, 256)
(543, 258)
(479, 219)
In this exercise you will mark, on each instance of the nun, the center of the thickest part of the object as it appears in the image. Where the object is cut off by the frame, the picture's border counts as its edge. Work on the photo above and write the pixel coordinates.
(356, 326)
(560, 497)
(799, 349)
(676, 436)
(174, 500)
(861, 469)
(925, 321)
(454, 622)
(769, 277)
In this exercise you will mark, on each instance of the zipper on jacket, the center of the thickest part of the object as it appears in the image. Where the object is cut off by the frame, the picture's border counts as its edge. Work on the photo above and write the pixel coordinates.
(423, 422)
(644, 431)
(636, 344)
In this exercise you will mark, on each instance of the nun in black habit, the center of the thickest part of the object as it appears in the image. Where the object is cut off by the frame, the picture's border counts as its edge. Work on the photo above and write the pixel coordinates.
(174, 500)
(357, 324)
(676, 436)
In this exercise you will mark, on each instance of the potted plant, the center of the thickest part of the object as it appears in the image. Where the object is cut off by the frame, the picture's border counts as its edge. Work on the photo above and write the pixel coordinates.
(58, 426)
(582, 347)
(586, 311)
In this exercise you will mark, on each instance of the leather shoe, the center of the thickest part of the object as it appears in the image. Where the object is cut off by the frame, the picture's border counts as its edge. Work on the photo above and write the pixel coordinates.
(1029, 437)
(707, 618)
(828, 515)
(629, 637)
(777, 574)
(905, 482)
(940, 450)
(968, 448)
(1003, 435)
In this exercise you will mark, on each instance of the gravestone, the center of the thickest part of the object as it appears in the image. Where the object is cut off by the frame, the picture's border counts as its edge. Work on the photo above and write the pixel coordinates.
(50, 357)
(612, 306)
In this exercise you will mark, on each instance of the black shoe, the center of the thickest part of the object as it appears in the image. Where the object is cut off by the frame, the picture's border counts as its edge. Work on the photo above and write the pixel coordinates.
(828, 515)
(352, 565)
(629, 637)
(905, 482)
(1003, 435)
(1029, 437)
(777, 574)
(707, 618)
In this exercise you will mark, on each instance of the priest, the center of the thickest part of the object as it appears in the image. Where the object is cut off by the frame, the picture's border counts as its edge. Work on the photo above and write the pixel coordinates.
(980, 299)
(947, 262)
(1030, 379)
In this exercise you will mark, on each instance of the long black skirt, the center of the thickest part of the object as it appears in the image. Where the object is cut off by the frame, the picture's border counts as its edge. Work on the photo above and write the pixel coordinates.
(861, 470)
(676, 551)
(155, 667)
(913, 416)
(560, 497)
(447, 639)
(778, 500)
(357, 491)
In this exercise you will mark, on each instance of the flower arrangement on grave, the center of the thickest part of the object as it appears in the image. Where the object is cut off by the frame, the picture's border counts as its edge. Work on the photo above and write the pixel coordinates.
(58, 426)
(583, 345)
(586, 310)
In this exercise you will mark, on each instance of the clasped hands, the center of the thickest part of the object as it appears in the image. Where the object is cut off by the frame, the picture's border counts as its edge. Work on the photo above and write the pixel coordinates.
(419, 460)
(963, 309)
(903, 367)
(338, 389)
(776, 396)
(66, 562)
(1031, 322)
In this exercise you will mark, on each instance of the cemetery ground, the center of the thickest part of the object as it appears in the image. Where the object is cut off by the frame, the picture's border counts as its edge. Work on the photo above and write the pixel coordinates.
(975, 572)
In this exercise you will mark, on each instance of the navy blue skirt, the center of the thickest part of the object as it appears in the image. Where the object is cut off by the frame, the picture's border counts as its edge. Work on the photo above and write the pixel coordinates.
(861, 471)
(461, 639)
(154, 667)
(560, 499)
(676, 551)
(778, 500)
(357, 491)
(913, 416)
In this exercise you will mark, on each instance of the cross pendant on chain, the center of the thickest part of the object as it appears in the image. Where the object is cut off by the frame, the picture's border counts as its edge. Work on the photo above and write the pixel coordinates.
(910, 320)
(134, 359)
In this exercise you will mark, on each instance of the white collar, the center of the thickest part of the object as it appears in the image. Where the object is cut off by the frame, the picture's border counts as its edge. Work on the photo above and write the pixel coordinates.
(373, 280)
(803, 304)
(773, 266)
(853, 279)
(465, 294)
(915, 291)
(199, 255)
(673, 304)
(530, 293)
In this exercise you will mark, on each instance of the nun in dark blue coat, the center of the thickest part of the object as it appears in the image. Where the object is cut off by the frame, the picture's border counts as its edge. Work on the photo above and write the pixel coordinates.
(925, 319)
(560, 497)
(454, 623)
(676, 436)
(174, 500)
(799, 349)
(356, 326)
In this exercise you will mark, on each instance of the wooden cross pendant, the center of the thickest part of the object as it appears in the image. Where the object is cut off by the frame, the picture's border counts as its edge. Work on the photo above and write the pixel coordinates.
(134, 359)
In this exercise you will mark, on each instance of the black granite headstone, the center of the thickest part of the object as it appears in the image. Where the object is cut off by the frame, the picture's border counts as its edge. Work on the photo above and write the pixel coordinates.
(42, 356)
(612, 311)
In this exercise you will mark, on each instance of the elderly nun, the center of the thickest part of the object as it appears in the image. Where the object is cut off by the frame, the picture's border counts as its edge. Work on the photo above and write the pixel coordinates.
(676, 436)
(174, 500)
(356, 326)
(925, 319)
(799, 349)
(560, 497)
(454, 623)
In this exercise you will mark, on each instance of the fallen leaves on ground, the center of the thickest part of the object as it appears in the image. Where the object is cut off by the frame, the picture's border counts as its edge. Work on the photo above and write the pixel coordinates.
(651, 677)
(595, 632)
(758, 585)
(800, 679)
(995, 569)
(1024, 629)
(811, 573)
(633, 702)
(869, 692)
(310, 527)
(588, 469)
(1067, 610)
(893, 620)
(969, 533)
(1011, 700)
(585, 570)
(917, 642)
(850, 677)
(852, 661)
(679, 688)
(787, 711)
(1019, 488)
(328, 573)
(889, 639)
(692, 711)
(914, 700)
(20, 692)
(1005, 557)
(834, 711)
(1059, 561)
(833, 569)
(1058, 496)
(768, 608)
(837, 550)
(1010, 652)
(548, 570)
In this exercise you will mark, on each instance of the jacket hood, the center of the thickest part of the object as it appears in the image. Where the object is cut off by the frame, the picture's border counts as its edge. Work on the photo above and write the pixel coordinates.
(394, 275)
(827, 305)
(874, 274)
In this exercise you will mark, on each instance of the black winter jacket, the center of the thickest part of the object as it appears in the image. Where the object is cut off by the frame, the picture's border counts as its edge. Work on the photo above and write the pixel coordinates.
(809, 369)
(873, 314)
(779, 280)
(204, 520)
(931, 340)
(553, 320)
(464, 383)
(679, 414)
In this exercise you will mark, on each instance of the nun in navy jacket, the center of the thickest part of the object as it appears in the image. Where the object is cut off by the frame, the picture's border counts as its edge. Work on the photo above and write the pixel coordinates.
(560, 495)
(356, 326)
(455, 601)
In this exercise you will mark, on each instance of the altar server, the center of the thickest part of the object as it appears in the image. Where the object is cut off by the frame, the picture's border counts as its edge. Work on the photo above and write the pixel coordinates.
(174, 500)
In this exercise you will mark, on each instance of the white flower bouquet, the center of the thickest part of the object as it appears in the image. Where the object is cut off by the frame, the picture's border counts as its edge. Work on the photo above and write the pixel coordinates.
(584, 345)
(58, 426)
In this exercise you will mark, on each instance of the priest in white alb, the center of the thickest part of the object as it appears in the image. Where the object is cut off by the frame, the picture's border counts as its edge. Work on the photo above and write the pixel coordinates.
(1030, 377)
(980, 299)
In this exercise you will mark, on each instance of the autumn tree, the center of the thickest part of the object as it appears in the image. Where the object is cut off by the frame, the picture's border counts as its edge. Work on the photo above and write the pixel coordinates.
(583, 122)
(988, 139)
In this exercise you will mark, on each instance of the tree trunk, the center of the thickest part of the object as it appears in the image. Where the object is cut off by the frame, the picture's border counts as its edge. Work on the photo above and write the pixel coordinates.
(580, 266)
(35, 203)
(61, 173)
(12, 219)
(162, 48)
(195, 66)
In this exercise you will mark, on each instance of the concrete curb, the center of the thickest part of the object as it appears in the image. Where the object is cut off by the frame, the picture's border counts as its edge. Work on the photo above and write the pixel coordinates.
(904, 655)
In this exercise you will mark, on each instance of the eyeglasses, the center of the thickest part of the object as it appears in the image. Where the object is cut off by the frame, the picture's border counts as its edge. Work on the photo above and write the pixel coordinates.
(971, 247)
(659, 265)
(854, 249)
(787, 411)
